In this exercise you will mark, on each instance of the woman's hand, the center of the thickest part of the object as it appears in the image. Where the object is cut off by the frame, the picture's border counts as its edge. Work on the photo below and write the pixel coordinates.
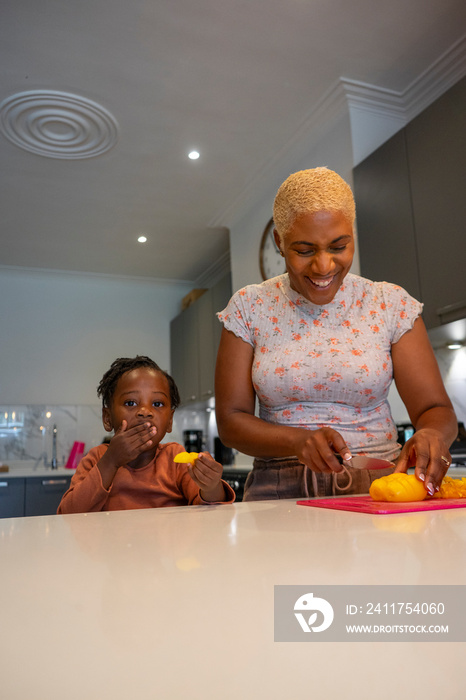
(421, 388)
(428, 452)
(316, 449)
(207, 473)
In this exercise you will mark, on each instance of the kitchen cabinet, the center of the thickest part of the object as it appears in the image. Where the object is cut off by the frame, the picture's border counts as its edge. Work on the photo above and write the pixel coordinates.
(43, 494)
(35, 495)
(411, 209)
(387, 246)
(207, 352)
(194, 338)
(184, 348)
(11, 497)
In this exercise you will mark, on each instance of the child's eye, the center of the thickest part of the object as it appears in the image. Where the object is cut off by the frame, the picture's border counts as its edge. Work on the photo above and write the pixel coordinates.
(158, 404)
(130, 402)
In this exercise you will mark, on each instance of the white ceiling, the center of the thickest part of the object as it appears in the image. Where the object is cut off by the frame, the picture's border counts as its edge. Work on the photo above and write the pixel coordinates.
(234, 80)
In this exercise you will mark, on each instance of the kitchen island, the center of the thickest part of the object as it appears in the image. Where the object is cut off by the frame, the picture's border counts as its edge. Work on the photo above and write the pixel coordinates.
(179, 603)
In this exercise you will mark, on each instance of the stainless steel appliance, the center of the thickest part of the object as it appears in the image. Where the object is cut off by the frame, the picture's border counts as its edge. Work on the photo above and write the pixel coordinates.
(193, 440)
(236, 478)
(458, 448)
(223, 454)
(405, 431)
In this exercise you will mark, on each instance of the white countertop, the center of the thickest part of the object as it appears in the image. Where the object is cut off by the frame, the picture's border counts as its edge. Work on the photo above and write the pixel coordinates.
(178, 603)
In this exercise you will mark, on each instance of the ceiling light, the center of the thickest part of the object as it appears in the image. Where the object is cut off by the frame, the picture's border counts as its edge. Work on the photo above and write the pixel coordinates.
(454, 346)
(142, 239)
(194, 155)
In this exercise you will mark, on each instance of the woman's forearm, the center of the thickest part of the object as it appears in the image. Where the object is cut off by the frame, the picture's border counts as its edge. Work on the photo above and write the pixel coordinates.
(253, 436)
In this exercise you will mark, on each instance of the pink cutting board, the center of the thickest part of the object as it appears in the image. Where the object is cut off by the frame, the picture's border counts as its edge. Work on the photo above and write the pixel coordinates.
(365, 504)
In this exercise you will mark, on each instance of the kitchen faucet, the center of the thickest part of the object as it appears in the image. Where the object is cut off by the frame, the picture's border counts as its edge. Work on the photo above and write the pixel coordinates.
(54, 463)
(54, 448)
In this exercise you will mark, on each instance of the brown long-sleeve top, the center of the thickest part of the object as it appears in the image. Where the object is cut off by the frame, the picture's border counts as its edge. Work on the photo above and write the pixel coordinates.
(162, 483)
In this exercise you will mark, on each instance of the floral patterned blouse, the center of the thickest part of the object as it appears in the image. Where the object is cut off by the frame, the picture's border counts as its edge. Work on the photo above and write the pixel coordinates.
(329, 365)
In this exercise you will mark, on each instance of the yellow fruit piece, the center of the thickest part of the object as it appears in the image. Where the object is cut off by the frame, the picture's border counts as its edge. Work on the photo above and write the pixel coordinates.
(400, 488)
(186, 457)
(452, 488)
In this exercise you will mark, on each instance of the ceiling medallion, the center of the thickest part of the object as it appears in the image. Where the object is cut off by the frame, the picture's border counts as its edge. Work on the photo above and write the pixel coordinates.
(57, 124)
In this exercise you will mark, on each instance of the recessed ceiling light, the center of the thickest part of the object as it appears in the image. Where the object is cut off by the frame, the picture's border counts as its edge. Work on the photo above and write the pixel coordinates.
(194, 155)
(454, 346)
(142, 239)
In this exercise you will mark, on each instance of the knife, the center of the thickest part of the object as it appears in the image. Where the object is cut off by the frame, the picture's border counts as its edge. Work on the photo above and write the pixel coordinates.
(362, 462)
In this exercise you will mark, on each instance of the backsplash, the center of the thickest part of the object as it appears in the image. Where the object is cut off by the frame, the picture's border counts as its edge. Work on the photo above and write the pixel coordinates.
(452, 364)
(26, 431)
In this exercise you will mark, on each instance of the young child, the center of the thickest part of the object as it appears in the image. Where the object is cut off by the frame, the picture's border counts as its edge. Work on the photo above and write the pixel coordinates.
(135, 469)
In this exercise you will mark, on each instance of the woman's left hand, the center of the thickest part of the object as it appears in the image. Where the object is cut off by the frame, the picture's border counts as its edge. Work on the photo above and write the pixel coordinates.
(429, 454)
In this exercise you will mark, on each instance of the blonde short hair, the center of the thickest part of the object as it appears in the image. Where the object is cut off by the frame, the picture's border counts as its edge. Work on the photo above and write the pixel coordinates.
(310, 191)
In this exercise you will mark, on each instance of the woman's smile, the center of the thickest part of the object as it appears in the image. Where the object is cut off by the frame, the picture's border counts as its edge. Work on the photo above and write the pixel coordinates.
(322, 284)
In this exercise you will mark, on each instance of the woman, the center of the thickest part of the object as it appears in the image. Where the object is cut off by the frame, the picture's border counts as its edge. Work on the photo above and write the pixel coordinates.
(319, 348)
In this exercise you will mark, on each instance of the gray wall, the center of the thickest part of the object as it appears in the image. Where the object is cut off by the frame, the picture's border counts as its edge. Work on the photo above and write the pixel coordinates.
(60, 332)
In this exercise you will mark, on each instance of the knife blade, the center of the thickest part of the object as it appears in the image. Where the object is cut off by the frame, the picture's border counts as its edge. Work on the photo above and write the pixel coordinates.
(363, 462)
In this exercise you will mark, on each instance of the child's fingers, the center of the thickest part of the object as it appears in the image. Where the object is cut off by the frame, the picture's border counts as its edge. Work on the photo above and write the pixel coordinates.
(139, 434)
(204, 474)
(121, 428)
(131, 442)
(198, 479)
(143, 438)
(139, 428)
(207, 459)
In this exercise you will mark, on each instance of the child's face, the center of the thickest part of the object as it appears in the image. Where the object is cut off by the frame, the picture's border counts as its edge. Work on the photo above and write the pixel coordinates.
(141, 396)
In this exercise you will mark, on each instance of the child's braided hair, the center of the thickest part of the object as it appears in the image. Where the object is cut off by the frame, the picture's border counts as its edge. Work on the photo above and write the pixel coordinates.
(120, 366)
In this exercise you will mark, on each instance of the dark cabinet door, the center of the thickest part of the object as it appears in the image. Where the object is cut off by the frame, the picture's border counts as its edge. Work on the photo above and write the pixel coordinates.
(190, 344)
(221, 294)
(184, 353)
(436, 144)
(207, 351)
(11, 498)
(43, 494)
(385, 227)
(177, 354)
(194, 339)
(411, 209)
(210, 330)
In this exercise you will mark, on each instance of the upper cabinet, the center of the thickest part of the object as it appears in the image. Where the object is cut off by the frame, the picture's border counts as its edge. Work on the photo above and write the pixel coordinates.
(411, 209)
(194, 339)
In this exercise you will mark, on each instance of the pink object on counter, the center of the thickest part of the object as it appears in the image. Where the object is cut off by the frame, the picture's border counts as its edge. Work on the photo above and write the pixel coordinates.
(76, 453)
(365, 504)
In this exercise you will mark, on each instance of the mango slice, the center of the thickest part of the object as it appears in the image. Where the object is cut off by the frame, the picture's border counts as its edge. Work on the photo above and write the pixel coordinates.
(400, 488)
(186, 457)
(452, 488)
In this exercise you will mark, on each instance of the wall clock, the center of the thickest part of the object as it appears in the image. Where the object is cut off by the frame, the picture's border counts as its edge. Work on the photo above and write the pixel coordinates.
(270, 259)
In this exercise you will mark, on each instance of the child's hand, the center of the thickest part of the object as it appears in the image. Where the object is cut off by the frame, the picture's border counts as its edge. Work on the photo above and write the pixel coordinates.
(128, 443)
(207, 473)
